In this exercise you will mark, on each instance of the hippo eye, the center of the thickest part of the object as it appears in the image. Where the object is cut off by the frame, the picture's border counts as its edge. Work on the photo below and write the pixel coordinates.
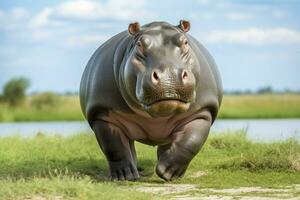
(140, 47)
(184, 46)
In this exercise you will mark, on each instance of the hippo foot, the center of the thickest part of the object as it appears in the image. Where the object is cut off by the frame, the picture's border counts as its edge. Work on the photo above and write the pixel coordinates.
(170, 167)
(123, 170)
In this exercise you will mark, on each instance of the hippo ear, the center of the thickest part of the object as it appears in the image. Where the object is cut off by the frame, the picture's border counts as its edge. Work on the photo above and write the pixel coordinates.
(134, 28)
(184, 25)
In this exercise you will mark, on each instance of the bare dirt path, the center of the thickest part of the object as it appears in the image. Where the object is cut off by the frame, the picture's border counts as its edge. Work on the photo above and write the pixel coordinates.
(192, 192)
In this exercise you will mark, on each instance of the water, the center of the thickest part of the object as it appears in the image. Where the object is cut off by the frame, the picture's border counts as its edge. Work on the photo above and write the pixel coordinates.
(257, 129)
(32, 128)
(261, 129)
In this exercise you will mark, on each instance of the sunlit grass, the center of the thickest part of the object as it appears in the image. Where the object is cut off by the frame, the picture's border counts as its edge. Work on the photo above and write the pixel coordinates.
(74, 167)
(67, 109)
(260, 106)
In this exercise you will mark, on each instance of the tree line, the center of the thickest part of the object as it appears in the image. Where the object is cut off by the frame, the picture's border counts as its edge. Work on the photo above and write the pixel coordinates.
(14, 94)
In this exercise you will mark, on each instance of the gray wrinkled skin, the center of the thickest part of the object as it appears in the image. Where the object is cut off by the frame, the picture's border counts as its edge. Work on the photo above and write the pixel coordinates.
(159, 86)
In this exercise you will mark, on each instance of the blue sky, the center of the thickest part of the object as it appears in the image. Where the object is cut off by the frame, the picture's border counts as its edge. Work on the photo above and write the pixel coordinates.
(254, 43)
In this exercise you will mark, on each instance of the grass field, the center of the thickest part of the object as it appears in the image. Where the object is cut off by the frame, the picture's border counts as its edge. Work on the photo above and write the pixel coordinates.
(67, 109)
(260, 106)
(238, 106)
(56, 167)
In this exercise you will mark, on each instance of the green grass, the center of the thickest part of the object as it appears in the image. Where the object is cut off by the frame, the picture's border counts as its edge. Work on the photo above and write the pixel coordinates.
(74, 168)
(233, 106)
(68, 109)
(261, 106)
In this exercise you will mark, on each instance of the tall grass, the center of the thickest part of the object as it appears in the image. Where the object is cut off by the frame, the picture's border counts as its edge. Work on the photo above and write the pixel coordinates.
(256, 156)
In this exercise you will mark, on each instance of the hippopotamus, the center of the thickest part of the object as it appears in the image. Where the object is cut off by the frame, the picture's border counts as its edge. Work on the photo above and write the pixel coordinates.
(155, 84)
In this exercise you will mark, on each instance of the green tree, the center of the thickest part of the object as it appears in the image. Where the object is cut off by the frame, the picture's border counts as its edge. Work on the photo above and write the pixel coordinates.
(14, 90)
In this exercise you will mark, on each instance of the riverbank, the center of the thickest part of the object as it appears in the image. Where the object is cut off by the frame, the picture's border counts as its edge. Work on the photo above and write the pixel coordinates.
(233, 107)
(56, 167)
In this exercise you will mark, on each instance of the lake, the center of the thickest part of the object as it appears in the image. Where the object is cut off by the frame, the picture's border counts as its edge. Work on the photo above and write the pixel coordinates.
(257, 129)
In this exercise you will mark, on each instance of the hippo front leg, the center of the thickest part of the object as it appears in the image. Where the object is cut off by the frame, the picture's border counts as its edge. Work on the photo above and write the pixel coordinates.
(117, 149)
(174, 158)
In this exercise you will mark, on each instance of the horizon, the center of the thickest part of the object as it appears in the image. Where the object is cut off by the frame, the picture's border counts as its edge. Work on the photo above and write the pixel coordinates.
(254, 43)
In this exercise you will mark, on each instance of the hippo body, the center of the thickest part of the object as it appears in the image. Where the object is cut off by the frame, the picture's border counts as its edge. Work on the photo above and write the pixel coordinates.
(155, 84)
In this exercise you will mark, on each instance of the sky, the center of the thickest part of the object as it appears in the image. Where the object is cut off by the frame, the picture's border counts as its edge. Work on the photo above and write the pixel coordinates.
(254, 43)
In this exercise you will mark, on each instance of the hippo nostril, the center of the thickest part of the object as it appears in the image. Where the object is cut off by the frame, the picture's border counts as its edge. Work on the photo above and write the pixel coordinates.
(184, 75)
(155, 77)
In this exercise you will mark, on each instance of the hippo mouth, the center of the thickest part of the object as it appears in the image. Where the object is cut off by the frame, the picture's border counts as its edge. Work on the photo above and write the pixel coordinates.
(166, 107)
(166, 103)
(166, 100)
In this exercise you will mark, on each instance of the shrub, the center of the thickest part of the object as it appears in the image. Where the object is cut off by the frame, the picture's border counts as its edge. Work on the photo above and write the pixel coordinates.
(45, 100)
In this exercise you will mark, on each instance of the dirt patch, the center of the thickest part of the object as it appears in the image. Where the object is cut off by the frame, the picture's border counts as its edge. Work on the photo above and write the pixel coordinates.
(44, 198)
(198, 174)
(210, 197)
(246, 190)
(218, 197)
(192, 192)
(166, 189)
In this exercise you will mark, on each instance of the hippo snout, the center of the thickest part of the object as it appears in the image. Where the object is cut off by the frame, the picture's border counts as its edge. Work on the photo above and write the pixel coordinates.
(184, 78)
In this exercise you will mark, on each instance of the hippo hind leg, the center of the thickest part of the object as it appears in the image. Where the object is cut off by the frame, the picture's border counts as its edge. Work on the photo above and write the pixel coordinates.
(117, 149)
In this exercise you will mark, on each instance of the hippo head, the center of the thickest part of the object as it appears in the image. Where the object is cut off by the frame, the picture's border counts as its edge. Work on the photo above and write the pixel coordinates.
(160, 70)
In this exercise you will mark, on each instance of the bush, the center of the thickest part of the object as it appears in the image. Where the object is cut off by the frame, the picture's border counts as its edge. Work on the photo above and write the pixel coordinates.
(45, 100)
(265, 90)
(14, 91)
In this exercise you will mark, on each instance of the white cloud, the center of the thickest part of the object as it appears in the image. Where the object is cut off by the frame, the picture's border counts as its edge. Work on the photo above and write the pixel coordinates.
(256, 36)
(81, 9)
(62, 23)
(237, 16)
(43, 19)
(91, 10)
(49, 22)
